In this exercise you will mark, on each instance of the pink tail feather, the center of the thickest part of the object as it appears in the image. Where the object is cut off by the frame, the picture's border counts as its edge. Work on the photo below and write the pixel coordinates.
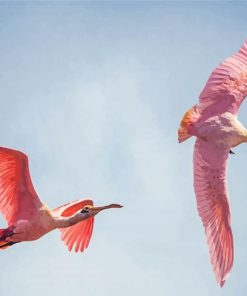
(188, 121)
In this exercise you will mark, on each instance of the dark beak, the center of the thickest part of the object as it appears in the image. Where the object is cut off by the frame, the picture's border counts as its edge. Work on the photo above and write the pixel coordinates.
(111, 206)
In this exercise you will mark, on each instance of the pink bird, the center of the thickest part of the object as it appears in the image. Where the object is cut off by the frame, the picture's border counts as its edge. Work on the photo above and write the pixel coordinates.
(213, 121)
(29, 219)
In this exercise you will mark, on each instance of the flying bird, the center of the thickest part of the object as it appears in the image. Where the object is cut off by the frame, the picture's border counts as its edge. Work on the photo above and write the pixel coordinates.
(29, 219)
(214, 123)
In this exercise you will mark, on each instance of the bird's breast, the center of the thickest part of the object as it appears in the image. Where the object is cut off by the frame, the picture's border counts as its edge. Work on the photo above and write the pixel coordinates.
(223, 130)
(28, 230)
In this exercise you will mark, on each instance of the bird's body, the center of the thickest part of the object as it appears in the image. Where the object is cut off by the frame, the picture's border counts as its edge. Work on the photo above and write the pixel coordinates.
(213, 121)
(224, 130)
(28, 218)
(28, 230)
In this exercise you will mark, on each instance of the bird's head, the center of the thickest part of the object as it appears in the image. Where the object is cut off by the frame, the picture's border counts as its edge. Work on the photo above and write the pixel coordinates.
(91, 211)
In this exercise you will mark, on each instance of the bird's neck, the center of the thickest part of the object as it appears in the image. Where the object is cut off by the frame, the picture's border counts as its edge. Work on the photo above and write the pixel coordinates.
(63, 222)
(245, 135)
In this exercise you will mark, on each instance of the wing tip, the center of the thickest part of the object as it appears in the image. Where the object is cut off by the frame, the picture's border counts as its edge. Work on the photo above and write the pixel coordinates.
(222, 283)
(13, 152)
(221, 278)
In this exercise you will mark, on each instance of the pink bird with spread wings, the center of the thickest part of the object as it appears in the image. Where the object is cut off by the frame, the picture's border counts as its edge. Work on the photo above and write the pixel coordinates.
(29, 219)
(213, 121)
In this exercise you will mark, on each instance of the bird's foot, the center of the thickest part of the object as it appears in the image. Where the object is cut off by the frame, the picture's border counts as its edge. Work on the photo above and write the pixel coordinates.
(6, 233)
(231, 152)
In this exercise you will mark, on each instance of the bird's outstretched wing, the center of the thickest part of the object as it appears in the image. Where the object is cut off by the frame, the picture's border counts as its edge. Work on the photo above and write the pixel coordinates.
(18, 199)
(226, 87)
(78, 235)
(212, 204)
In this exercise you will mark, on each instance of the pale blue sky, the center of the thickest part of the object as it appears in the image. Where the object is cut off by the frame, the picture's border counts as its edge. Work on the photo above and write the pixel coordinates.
(94, 93)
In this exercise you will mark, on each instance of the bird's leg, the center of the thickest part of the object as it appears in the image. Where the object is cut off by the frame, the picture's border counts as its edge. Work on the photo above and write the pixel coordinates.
(231, 152)
(5, 233)
(8, 244)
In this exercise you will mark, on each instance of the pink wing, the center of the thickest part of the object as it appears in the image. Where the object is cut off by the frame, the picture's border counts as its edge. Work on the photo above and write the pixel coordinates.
(226, 88)
(18, 198)
(212, 204)
(78, 235)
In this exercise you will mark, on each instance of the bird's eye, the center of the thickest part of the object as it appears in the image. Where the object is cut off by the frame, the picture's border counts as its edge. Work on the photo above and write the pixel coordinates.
(84, 211)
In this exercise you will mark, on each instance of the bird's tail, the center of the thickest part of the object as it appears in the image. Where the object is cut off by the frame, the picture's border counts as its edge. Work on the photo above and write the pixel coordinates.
(188, 121)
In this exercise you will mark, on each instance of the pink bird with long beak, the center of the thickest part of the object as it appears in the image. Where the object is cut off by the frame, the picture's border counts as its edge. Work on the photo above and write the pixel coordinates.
(213, 121)
(29, 219)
